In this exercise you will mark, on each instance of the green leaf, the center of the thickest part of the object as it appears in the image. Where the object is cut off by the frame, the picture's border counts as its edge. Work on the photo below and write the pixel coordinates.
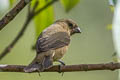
(69, 4)
(45, 18)
(12, 2)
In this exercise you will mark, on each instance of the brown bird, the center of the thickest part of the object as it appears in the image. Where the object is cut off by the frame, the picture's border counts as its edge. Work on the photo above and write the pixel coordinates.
(52, 44)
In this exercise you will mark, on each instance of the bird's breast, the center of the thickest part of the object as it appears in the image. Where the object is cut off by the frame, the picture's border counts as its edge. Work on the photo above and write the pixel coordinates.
(59, 53)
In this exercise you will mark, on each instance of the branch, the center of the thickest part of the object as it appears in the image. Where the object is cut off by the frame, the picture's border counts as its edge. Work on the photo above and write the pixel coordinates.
(30, 16)
(12, 13)
(68, 68)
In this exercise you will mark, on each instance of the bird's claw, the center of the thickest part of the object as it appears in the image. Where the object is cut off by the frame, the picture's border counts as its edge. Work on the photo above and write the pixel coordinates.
(62, 64)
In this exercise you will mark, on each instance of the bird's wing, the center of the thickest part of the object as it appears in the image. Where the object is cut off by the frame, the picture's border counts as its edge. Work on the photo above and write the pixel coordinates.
(56, 40)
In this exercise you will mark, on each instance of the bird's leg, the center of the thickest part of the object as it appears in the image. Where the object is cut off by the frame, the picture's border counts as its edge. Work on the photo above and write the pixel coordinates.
(61, 64)
(39, 71)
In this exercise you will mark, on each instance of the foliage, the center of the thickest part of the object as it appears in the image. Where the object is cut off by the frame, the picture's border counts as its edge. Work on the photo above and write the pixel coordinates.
(11, 2)
(45, 18)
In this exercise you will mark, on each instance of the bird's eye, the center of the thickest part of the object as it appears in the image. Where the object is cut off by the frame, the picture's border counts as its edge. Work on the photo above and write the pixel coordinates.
(70, 24)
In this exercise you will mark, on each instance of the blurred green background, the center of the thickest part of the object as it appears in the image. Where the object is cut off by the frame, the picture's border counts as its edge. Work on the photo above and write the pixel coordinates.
(94, 45)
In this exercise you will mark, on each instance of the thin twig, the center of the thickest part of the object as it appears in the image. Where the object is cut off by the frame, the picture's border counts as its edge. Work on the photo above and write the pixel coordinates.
(36, 5)
(67, 68)
(11, 45)
(12, 13)
(20, 34)
(31, 15)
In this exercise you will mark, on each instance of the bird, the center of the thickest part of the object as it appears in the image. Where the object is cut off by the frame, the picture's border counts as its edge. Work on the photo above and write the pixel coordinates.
(52, 44)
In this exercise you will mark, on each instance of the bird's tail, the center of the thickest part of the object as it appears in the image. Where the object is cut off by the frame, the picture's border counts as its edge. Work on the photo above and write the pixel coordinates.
(39, 64)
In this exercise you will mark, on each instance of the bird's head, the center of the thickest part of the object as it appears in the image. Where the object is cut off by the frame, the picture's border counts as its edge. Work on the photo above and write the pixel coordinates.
(70, 25)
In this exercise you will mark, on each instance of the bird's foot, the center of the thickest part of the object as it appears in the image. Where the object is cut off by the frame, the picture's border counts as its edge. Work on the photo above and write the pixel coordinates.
(60, 66)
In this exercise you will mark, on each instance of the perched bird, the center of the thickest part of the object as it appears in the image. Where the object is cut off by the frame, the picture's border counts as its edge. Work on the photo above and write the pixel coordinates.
(52, 44)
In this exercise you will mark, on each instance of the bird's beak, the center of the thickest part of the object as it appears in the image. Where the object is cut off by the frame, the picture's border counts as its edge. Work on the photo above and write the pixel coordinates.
(77, 30)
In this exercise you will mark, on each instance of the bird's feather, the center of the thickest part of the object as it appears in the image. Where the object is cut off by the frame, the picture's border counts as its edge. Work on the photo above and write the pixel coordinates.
(40, 64)
(47, 62)
(55, 41)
